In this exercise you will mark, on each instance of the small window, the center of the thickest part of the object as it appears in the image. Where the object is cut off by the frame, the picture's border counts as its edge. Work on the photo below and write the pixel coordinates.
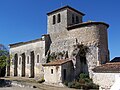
(27, 59)
(73, 19)
(58, 18)
(51, 71)
(77, 19)
(19, 60)
(54, 19)
(38, 58)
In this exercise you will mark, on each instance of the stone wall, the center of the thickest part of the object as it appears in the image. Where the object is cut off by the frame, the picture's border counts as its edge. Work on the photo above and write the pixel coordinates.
(60, 73)
(52, 78)
(57, 27)
(93, 36)
(38, 48)
(69, 71)
(104, 80)
(70, 14)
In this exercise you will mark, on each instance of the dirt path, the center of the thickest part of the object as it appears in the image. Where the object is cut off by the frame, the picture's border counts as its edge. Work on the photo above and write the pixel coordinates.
(19, 88)
(32, 82)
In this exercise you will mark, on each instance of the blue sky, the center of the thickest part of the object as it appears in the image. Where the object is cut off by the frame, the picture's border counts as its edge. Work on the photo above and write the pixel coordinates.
(23, 20)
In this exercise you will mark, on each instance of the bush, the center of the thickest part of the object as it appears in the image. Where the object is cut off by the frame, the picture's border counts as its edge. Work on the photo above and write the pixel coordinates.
(91, 85)
(41, 81)
(65, 83)
(83, 82)
(83, 75)
(71, 84)
(76, 85)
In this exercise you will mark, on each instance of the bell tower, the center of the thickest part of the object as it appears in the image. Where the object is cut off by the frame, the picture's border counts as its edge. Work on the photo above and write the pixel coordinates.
(60, 19)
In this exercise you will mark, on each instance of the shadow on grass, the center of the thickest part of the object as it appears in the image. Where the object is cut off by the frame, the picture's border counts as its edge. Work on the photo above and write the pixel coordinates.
(5, 83)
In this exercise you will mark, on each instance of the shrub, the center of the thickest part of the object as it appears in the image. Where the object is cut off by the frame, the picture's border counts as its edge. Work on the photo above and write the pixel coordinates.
(70, 84)
(83, 75)
(65, 83)
(41, 81)
(91, 85)
(83, 82)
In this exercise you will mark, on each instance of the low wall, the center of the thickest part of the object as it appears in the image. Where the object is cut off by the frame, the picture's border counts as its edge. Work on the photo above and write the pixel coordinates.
(104, 80)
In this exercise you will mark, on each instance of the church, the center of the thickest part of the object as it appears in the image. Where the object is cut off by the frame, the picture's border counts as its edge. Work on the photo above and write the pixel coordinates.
(69, 48)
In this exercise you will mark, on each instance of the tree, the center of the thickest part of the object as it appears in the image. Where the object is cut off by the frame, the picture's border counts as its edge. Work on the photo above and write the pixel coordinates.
(3, 61)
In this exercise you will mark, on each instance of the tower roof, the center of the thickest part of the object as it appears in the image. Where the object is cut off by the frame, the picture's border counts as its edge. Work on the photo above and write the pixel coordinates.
(63, 8)
(85, 24)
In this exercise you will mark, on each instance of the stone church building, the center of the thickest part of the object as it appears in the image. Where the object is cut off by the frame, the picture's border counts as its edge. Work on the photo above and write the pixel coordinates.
(56, 55)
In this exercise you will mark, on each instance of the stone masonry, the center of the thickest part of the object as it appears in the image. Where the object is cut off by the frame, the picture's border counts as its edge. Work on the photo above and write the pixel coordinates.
(65, 29)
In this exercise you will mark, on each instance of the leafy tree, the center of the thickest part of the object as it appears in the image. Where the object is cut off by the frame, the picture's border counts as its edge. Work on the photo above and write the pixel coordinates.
(3, 60)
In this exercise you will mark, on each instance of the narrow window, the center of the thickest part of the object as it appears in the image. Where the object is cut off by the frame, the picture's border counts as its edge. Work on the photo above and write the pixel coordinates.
(27, 59)
(37, 58)
(54, 19)
(58, 18)
(51, 71)
(19, 60)
(77, 19)
(73, 19)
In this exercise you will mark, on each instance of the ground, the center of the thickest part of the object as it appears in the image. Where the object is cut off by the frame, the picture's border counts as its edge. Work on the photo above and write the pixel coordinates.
(31, 82)
(19, 88)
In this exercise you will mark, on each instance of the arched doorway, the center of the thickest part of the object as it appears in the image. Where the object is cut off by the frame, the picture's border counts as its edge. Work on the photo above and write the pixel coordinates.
(15, 64)
(32, 61)
(23, 65)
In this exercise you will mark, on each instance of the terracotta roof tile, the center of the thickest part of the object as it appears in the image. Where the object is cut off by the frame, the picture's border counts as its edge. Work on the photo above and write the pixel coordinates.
(108, 68)
(57, 62)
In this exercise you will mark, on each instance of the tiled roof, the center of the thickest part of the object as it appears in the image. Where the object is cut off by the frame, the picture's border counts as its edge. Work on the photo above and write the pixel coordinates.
(85, 24)
(65, 7)
(57, 62)
(116, 59)
(22, 43)
(108, 68)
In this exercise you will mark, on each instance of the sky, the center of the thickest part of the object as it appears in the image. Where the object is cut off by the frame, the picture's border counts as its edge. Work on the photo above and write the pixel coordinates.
(24, 20)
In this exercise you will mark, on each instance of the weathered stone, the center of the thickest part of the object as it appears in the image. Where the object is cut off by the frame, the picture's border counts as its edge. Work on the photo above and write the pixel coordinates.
(58, 44)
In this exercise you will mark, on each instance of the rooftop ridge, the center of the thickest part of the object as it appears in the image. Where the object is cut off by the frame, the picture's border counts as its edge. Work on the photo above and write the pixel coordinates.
(84, 24)
(65, 7)
(22, 43)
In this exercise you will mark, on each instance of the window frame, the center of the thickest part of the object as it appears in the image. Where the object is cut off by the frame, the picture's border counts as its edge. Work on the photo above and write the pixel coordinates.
(38, 58)
(77, 19)
(51, 71)
(59, 18)
(54, 19)
(73, 19)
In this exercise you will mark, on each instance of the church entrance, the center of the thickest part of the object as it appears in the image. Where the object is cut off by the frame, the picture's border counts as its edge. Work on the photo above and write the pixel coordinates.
(15, 64)
(23, 65)
(32, 61)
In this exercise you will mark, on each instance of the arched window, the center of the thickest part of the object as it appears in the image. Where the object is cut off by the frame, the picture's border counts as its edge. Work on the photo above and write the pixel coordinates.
(38, 57)
(58, 18)
(28, 60)
(54, 19)
(77, 19)
(73, 19)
